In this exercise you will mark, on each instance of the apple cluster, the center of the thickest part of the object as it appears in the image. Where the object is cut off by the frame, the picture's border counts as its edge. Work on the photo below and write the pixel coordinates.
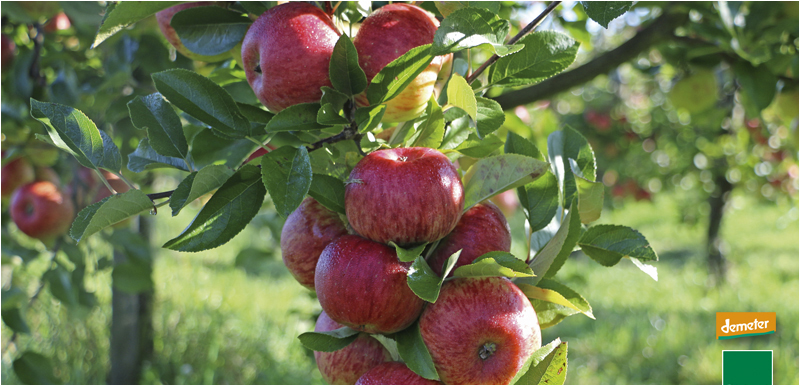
(40, 205)
(479, 331)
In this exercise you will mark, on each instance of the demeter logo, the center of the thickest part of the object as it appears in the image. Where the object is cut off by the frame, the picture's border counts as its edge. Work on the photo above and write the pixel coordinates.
(734, 325)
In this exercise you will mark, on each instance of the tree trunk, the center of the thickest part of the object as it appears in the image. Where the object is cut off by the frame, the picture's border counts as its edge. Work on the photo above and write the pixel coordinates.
(717, 200)
(131, 326)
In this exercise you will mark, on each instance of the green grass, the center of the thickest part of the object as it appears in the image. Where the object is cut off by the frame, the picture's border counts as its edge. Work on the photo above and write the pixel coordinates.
(216, 324)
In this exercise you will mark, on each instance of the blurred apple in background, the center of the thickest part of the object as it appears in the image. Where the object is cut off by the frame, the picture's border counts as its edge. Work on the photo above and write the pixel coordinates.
(40, 210)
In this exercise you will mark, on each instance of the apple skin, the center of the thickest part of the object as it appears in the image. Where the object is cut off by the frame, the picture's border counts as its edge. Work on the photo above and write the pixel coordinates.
(59, 22)
(7, 51)
(476, 317)
(393, 373)
(41, 211)
(362, 284)
(259, 152)
(404, 195)
(15, 174)
(482, 229)
(385, 35)
(291, 46)
(165, 17)
(346, 365)
(307, 231)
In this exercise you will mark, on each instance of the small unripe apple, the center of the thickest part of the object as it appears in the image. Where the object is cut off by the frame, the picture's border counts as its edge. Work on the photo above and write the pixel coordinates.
(385, 35)
(362, 284)
(14, 174)
(307, 231)
(41, 211)
(393, 373)
(482, 229)
(404, 195)
(286, 54)
(480, 331)
(165, 17)
(696, 92)
(346, 365)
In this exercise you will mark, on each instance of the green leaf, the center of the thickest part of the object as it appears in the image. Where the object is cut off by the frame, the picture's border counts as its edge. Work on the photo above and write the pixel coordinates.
(298, 117)
(354, 11)
(479, 148)
(330, 341)
(539, 198)
(408, 255)
(537, 356)
(393, 79)
(204, 100)
(346, 76)
(109, 211)
(608, 244)
(146, 158)
(590, 195)
(549, 259)
(34, 369)
(460, 94)
(334, 97)
(13, 298)
(198, 184)
(329, 115)
(287, 175)
(550, 370)
(228, 211)
(61, 286)
(11, 248)
(471, 27)
(546, 53)
(431, 131)
(757, 82)
(491, 176)
(554, 292)
(211, 30)
(71, 131)
(163, 125)
(12, 317)
(424, 282)
(495, 264)
(255, 114)
(490, 116)
(563, 145)
(208, 149)
(328, 191)
(448, 7)
(604, 11)
(414, 353)
(121, 15)
(367, 118)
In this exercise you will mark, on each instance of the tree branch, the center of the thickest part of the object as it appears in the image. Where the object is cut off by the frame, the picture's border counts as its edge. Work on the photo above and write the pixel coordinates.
(660, 30)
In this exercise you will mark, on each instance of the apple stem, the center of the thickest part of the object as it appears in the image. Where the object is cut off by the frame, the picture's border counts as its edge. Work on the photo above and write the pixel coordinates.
(262, 145)
(105, 182)
(528, 28)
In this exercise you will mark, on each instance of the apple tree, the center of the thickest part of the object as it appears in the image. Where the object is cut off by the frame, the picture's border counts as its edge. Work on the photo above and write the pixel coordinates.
(205, 123)
(709, 109)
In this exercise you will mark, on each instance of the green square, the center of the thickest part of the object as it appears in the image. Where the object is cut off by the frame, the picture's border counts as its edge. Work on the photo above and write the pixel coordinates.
(747, 367)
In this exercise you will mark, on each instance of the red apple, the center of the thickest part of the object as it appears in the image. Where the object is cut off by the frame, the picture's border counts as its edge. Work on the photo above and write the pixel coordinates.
(116, 183)
(362, 284)
(507, 201)
(305, 234)
(345, 366)
(393, 373)
(482, 229)
(165, 17)
(480, 331)
(385, 35)
(47, 174)
(59, 22)
(7, 53)
(404, 195)
(14, 174)
(259, 153)
(286, 54)
(41, 211)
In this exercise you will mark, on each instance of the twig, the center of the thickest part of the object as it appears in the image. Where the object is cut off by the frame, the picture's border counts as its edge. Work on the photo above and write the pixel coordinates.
(161, 195)
(349, 132)
(533, 24)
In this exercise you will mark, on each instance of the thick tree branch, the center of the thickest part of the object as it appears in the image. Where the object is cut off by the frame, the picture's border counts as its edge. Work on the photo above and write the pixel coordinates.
(661, 29)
